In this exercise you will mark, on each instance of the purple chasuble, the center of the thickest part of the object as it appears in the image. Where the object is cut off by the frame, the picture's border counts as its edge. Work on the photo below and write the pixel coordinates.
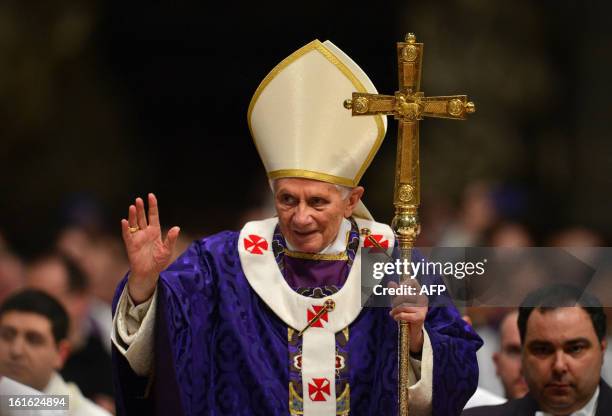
(220, 350)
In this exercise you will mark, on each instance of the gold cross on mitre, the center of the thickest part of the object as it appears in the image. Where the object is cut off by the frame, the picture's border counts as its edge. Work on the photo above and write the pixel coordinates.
(408, 106)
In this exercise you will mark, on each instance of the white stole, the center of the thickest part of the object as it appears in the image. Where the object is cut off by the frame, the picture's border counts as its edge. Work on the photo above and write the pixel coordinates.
(319, 342)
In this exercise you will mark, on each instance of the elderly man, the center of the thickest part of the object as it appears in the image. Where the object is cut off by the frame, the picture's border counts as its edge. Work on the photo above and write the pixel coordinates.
(269, 321)
(563, 337)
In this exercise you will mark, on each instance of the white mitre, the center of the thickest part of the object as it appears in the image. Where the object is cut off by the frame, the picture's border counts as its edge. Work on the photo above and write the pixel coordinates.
(300, 126)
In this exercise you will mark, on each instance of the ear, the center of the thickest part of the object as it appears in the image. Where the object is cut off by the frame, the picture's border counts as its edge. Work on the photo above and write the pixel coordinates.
(604, 345)
(63, 349)
(353, 199)
(496, 361)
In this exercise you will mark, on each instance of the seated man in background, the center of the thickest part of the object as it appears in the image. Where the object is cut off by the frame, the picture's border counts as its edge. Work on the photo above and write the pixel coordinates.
(508, 359)
(563, 343)
(63, 279)
(34, 346)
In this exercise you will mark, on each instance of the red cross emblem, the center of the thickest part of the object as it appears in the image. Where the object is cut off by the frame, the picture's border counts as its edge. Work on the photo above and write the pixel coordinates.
(310, 315)
(317, 388)
(255, 244)
(379, 238)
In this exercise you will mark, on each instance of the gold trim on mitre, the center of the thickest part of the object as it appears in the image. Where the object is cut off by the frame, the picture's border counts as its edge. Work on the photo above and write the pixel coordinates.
(359, 87)
(308, 174)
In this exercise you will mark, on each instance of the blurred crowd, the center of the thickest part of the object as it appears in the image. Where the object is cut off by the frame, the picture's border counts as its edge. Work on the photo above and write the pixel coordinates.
(83, 265)
(489, 216)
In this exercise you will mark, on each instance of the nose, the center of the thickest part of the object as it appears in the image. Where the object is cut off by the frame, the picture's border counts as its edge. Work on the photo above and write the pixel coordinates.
(302, 216)
(16, 347)
(560, 363)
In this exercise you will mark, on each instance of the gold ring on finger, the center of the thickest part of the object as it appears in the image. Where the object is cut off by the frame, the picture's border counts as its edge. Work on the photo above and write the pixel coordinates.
(133, 229)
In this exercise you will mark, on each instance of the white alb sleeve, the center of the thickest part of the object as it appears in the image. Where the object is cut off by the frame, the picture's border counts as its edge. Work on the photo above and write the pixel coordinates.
(133, 331)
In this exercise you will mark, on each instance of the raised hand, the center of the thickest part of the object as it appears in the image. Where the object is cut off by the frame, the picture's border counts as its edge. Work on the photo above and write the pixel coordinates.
(147, 253)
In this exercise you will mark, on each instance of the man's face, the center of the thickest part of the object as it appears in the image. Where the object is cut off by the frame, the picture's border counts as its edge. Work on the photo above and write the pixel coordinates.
(508, 359)
(28, 352)
(310, 212)
(562, 359)
(51, 276)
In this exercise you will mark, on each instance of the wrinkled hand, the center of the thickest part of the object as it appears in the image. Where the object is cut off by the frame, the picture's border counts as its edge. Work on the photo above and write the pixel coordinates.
(411, 309)
(147, 253)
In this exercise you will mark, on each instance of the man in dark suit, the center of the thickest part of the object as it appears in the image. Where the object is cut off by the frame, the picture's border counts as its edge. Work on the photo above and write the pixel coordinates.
(563, 342)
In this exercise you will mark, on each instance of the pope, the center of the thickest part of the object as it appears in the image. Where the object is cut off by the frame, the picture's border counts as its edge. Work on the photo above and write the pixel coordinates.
(269, 320)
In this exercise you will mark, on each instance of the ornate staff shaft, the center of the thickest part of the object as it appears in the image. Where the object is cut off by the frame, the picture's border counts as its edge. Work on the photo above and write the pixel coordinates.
(408, 106)
(406, 226)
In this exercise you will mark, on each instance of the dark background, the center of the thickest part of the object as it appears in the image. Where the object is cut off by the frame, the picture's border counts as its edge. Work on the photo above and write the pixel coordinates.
(101, 101)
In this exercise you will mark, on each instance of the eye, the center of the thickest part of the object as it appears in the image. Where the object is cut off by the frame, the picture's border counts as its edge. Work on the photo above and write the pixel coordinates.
(317, 201)
(541, 349)
(7, 334)
(287, 199)
(513, 351)
(575, 348)
(34, 338)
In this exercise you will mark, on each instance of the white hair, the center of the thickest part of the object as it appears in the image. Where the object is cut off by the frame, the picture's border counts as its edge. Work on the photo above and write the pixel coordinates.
(345, 191)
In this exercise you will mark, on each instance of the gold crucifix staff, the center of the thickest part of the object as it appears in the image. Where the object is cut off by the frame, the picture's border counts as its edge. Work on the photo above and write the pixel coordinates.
(408, 106)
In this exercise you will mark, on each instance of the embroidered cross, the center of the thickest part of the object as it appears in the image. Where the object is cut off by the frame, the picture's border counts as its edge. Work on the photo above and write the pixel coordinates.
(317, 323)
(376, 240)
(316, 318)
(255, 244)
(318, 388)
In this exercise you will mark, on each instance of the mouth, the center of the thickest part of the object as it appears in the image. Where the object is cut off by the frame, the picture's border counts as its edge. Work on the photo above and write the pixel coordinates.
(559, 388)
(304, 234)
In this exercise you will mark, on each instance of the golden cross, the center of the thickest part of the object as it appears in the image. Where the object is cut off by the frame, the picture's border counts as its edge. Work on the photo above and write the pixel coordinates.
(408, 106)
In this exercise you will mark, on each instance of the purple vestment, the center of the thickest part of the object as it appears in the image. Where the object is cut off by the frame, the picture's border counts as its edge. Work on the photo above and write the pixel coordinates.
(219, 349)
